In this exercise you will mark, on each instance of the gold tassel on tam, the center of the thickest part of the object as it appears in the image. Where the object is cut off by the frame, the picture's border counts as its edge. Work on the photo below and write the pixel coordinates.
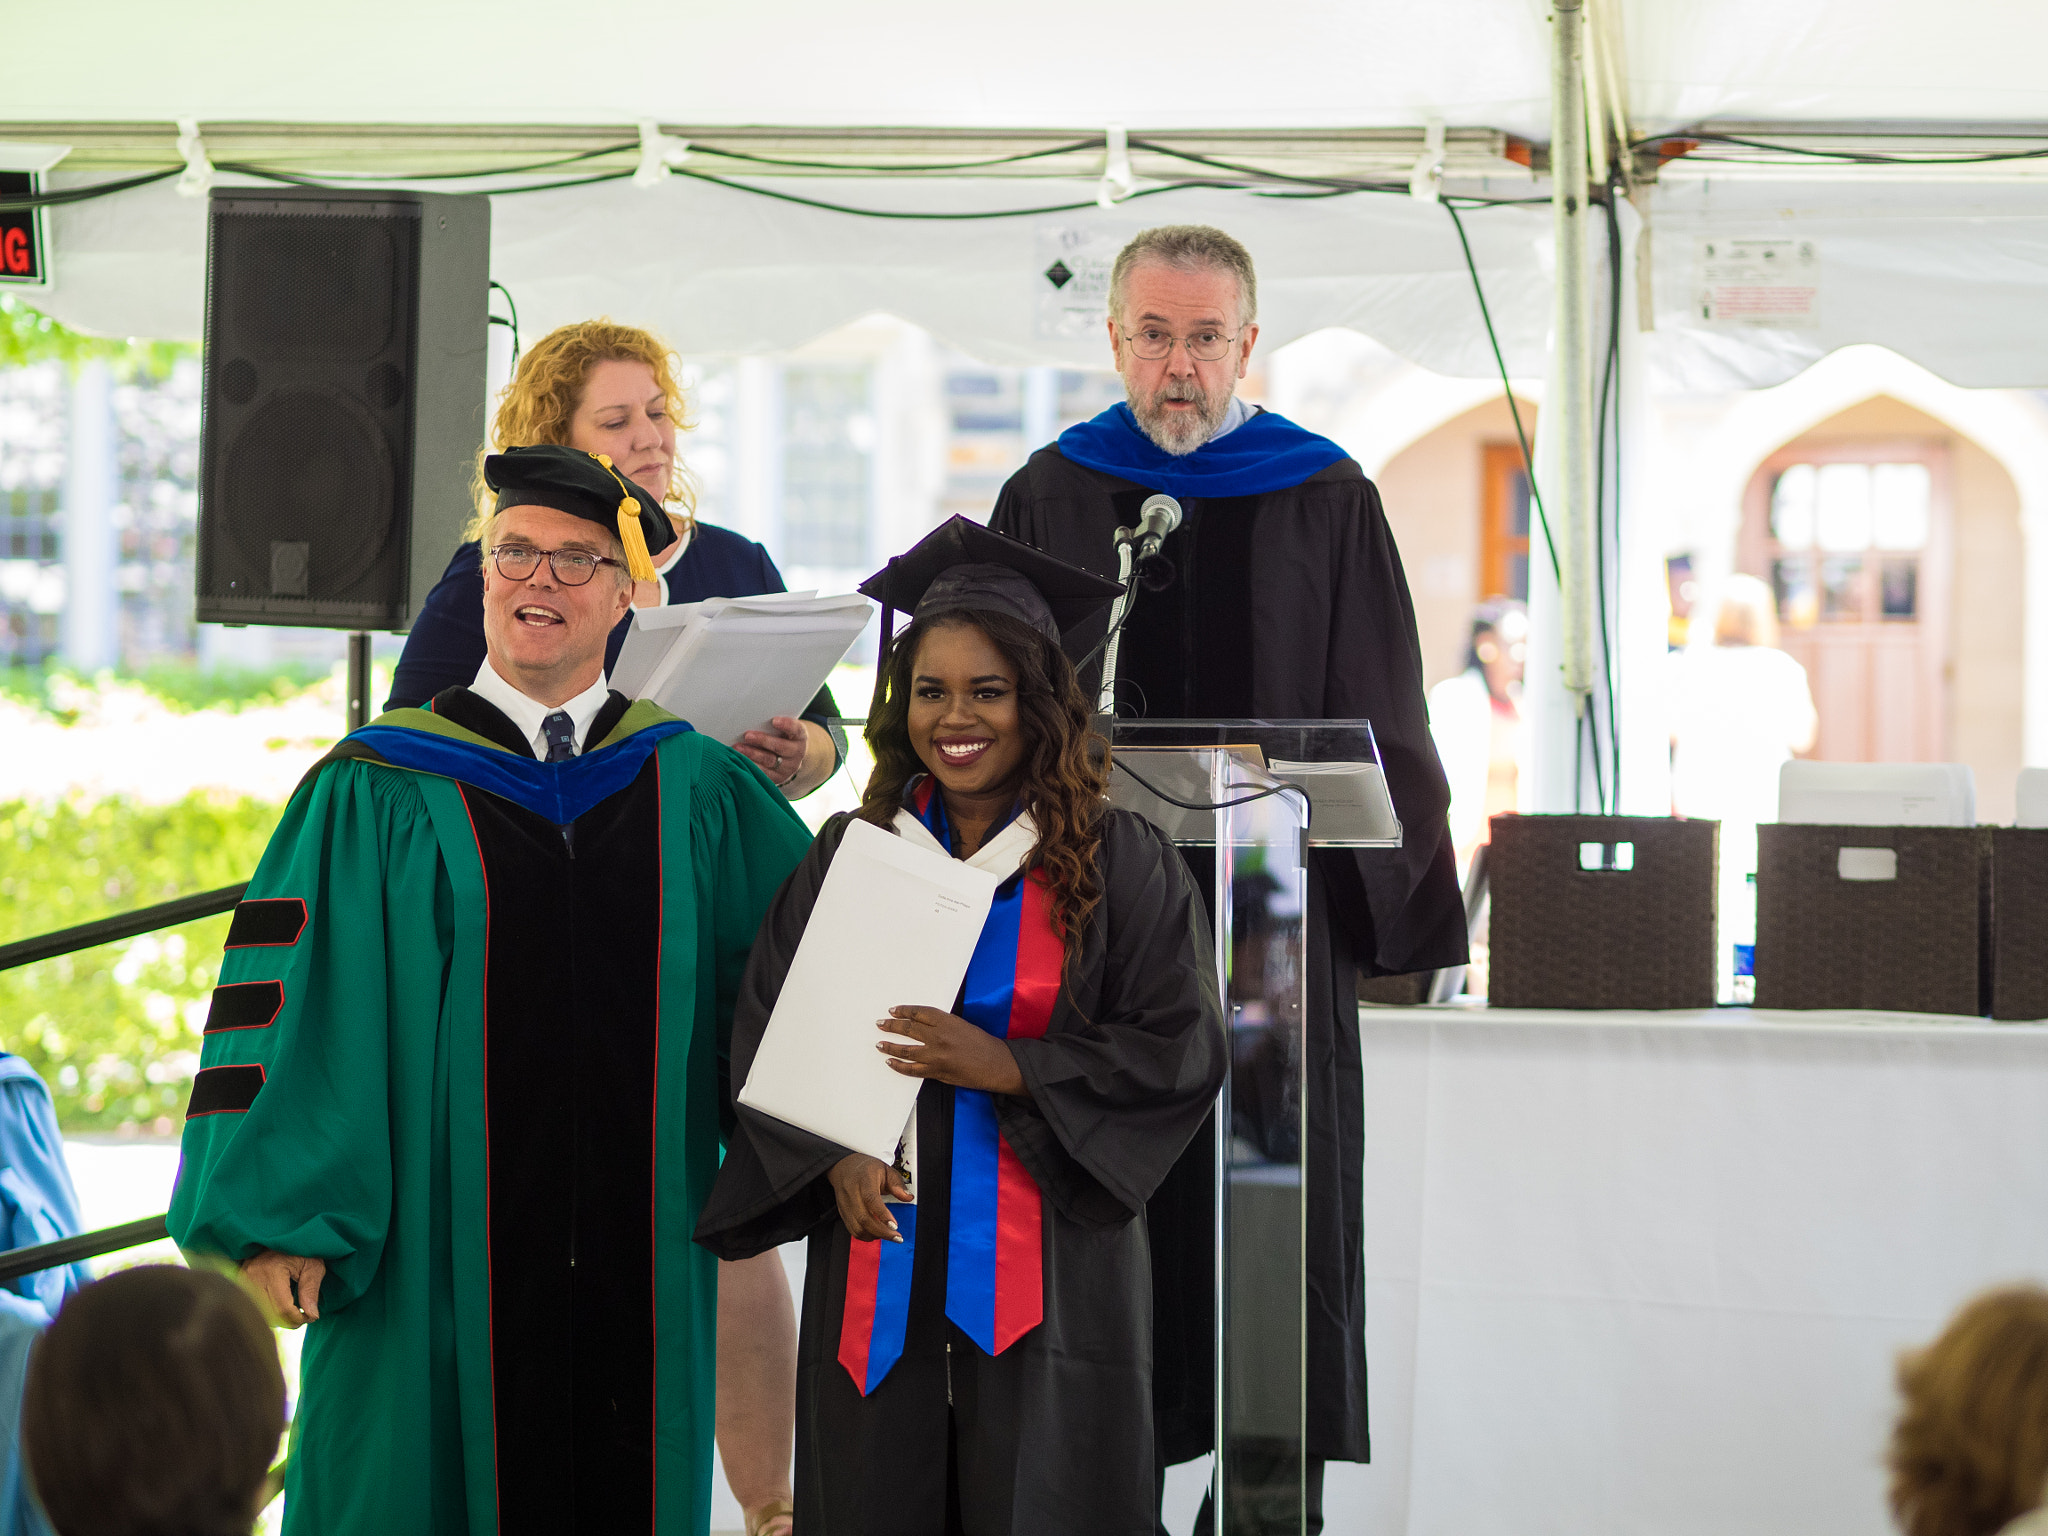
(639, 564)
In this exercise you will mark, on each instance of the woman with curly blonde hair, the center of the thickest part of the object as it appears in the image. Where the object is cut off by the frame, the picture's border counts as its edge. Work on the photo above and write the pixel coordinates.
(612, 389)
(1969, 1454)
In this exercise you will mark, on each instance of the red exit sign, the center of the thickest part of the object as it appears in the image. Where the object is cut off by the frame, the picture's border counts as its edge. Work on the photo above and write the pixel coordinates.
(22, 249)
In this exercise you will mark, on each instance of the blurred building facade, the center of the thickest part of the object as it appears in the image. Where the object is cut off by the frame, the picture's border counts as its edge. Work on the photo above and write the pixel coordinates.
(1890, 511)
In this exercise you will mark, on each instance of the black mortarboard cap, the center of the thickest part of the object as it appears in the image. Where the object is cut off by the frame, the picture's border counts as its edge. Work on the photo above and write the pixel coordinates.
(583, 485)
(963, 567)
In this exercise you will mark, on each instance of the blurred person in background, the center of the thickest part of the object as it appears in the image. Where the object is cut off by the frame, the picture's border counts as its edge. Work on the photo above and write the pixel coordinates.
(1476, 719)
(1969, 1453)
(1739, 709)
(154, 1407)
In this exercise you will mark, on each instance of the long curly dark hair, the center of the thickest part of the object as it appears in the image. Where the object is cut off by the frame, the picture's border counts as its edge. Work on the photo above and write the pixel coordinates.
(1065, 774)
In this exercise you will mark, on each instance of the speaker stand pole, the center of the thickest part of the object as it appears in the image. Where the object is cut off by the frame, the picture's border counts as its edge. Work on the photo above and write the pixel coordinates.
(358, 680)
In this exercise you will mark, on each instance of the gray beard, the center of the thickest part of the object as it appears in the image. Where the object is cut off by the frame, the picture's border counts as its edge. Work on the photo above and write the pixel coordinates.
(1175, 434)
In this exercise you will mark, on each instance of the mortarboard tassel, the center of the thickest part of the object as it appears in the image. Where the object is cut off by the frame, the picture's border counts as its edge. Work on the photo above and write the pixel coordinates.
(639, 564)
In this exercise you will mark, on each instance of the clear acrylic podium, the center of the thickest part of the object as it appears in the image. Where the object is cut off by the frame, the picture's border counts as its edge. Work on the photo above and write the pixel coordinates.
(1245, 788)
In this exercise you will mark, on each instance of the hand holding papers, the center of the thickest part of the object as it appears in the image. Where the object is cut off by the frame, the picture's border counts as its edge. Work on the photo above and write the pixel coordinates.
(731, 664)
(893, 924)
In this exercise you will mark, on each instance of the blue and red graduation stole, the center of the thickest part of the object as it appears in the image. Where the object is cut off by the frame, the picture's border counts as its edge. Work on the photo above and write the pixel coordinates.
(995, 1287)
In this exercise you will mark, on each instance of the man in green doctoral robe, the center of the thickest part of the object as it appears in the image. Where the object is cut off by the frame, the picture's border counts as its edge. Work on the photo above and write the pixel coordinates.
(459, 1100)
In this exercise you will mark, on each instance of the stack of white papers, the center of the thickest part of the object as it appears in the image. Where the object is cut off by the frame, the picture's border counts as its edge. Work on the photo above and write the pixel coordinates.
(894, 926)
(730, 664)
(1349, 803)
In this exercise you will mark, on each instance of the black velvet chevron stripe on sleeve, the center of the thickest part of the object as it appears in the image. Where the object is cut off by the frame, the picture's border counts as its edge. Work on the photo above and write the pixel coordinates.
(267, 922)
(224, 1090)
(244, 1005)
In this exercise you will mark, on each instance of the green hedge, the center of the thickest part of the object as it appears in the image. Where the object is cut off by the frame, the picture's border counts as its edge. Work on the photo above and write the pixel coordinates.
(115, 1030)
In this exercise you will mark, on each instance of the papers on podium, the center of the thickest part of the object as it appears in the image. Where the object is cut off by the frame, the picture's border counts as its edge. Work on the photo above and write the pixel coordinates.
(1348, 802)
(730, 664)
(893, 925)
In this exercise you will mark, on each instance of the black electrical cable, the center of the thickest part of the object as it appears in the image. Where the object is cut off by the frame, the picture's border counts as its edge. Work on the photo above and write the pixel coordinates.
(1846, 156)
(513, 305)
(85, 194)
(1514, 411)
(510, 170)
(1610, 374)
(993, 213)
(1220, 805)
(1097, 142)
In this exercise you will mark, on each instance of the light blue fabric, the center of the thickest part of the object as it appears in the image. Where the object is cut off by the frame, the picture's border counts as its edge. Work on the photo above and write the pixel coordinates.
(37, 1201)
(20, 1515)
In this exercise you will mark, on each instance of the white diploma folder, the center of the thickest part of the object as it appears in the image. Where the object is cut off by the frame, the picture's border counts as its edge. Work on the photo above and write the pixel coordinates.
(894, 925)
(731, 664)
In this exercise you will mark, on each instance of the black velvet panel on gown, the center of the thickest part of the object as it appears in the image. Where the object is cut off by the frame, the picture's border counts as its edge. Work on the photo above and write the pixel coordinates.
(569, 1027)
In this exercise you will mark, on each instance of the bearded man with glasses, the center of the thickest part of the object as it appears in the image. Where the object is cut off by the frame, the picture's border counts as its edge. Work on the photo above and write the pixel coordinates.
(461, 1091)
(1289, 604)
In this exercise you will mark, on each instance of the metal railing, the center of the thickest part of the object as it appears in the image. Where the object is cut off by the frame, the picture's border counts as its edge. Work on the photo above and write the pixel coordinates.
(126, 925)
(17, 1262)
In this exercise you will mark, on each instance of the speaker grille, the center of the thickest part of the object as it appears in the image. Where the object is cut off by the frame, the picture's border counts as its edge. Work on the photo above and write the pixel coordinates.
(310, 361)
(311, 466)
(314, 287)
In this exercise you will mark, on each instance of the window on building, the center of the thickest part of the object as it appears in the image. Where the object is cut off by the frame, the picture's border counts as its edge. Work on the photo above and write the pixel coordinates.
(33, 421)
(828, 441)
(1847, 542)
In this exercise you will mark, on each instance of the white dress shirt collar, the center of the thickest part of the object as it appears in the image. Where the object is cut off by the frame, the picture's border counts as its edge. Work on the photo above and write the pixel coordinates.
(1236, 416)
(527, 714)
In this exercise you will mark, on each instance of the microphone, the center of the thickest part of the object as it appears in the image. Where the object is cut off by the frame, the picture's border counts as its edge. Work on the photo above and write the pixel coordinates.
(1158, 517)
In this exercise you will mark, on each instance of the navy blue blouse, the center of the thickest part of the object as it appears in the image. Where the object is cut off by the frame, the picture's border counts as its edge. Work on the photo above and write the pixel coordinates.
(446, 645)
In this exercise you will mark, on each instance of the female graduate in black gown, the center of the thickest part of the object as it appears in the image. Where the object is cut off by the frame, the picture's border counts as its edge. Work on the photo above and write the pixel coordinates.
(980, 1362)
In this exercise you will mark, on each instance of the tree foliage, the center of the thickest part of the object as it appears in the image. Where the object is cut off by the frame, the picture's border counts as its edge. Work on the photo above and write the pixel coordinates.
(30, 336)
(114, 1031)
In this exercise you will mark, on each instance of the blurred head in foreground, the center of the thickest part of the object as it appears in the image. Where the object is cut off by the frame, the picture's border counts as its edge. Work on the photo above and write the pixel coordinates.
(1969, 1453)
(153, 1407)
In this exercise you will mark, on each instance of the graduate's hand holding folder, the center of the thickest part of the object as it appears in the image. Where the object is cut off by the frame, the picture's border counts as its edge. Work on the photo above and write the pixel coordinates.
(893, 928)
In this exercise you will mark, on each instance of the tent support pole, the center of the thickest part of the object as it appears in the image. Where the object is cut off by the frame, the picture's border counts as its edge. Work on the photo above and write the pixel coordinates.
(1568, 467)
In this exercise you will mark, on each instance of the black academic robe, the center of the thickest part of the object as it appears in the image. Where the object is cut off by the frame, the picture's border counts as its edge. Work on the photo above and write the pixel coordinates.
(1287, 605)
(1055, 1433)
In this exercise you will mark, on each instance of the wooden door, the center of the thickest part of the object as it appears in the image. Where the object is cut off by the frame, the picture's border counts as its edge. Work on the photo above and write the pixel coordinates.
(1503, 522)
(1853, 537)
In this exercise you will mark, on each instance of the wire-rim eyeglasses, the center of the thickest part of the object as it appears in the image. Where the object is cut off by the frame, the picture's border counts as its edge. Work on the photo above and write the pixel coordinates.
(572, 567)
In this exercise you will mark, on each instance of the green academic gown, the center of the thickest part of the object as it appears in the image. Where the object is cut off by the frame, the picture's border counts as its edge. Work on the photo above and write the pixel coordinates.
(468, 1048)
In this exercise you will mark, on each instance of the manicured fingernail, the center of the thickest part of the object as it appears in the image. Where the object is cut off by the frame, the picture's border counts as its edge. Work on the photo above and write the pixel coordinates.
(892, 1226)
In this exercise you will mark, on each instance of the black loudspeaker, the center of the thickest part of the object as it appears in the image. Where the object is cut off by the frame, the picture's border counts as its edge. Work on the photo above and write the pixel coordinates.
(343, 404)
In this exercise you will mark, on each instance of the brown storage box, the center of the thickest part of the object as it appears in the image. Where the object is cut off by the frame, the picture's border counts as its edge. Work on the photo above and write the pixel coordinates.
(2019, 923)
(1912, 944)
(1567, 937)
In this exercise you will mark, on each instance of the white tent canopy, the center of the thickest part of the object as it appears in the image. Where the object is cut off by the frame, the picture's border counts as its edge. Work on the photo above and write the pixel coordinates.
(1928, 267)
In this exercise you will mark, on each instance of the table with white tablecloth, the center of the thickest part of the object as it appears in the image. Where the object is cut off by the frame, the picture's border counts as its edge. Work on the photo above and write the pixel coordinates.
(1647, 1274)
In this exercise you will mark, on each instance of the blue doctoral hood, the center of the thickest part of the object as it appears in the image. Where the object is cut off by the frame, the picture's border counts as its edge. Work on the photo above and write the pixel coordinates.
(1267, 453)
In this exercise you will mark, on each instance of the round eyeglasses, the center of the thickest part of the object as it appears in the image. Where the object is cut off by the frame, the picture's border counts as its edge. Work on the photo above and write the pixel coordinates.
(572, 567)
(1154, 345)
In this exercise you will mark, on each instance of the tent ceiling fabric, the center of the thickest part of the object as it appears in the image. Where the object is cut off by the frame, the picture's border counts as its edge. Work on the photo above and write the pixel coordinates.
(1945, 271)
(1057, 63)
(717, 270)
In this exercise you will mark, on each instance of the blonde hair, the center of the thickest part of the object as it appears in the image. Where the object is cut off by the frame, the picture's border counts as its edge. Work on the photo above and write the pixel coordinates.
(1970, 1450)
(539, 403)
(1743, 612)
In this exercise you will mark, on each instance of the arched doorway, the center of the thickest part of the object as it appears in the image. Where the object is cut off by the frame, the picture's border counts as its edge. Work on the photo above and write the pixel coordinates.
(1893, 545)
